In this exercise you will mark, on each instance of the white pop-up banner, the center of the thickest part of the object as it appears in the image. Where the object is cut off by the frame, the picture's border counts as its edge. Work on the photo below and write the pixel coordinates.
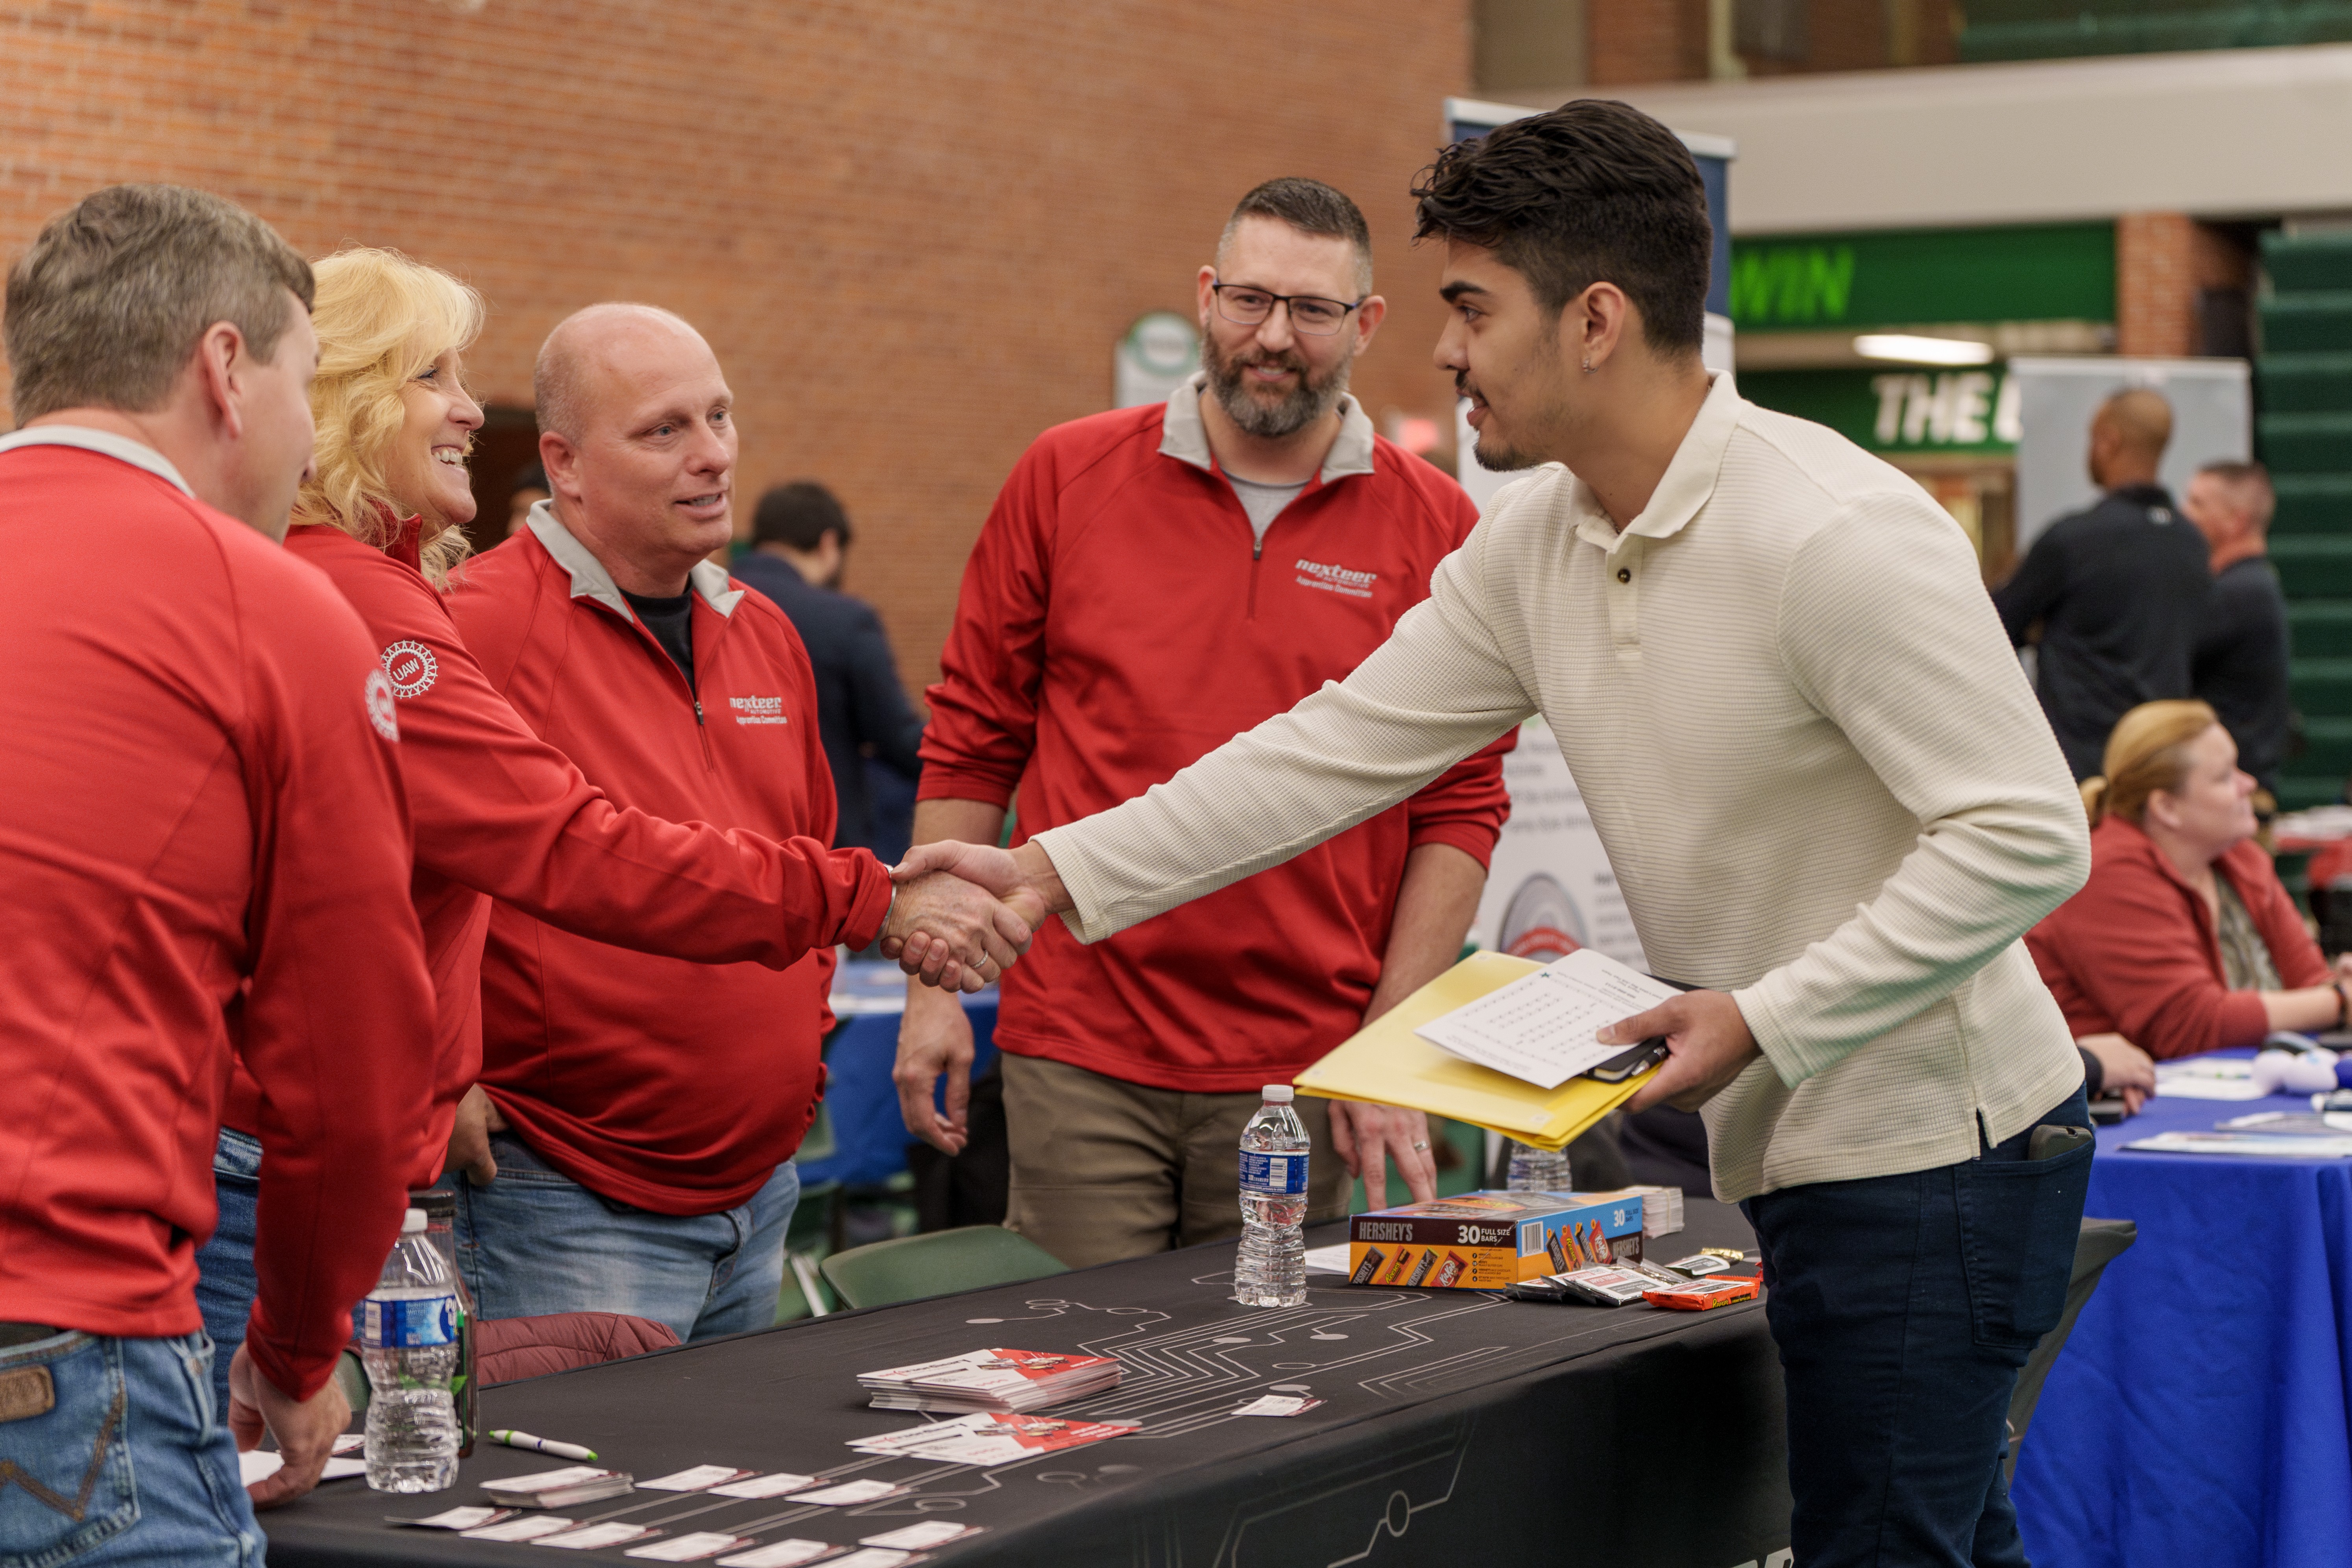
(1551, 884)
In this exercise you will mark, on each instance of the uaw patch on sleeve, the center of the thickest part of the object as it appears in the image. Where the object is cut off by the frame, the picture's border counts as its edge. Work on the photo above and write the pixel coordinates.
(382, 707)
(413, 668)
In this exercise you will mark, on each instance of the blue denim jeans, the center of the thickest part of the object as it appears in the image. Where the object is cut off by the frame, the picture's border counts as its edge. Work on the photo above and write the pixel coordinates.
(1903, 1307)
(535, 1241)
(225, 1282)
(129, 1464)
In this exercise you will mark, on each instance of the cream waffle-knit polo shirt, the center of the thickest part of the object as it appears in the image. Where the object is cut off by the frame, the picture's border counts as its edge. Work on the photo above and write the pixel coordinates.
(1821, 779)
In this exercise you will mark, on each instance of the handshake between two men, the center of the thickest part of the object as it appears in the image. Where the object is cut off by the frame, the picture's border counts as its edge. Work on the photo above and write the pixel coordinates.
(965, 913)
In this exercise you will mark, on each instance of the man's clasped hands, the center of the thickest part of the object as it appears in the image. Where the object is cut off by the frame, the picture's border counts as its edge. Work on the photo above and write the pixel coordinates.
(964, 912)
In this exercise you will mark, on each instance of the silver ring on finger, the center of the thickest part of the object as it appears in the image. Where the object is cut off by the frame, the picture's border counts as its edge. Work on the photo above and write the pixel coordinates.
(1420, 1147)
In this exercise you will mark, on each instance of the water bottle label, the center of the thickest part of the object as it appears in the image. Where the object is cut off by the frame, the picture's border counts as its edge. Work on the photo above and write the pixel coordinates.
(1282, 1174)
(406, 1324)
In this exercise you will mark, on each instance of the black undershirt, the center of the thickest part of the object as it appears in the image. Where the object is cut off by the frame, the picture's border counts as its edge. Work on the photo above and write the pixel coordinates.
(672, 622)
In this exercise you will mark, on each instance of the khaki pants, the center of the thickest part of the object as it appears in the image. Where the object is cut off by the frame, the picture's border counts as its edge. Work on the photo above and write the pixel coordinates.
(1104, 1170)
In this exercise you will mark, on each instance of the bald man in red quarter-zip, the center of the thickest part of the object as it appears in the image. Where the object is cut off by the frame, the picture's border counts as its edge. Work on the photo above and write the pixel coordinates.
(646, 1107)
(1151, 582)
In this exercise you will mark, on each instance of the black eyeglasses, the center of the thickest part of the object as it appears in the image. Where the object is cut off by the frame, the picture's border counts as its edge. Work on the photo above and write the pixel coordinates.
(1247, 307)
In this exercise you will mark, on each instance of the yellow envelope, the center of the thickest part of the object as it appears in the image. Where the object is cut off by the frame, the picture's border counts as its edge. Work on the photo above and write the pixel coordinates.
(1387, 1063)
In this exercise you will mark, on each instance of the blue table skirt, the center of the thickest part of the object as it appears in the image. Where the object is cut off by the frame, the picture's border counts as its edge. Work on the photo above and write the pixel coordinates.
(2198, 1413)
(870, 1137)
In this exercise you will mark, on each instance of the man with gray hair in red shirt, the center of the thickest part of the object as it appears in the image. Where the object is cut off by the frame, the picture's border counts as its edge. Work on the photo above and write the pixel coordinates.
(205, 851)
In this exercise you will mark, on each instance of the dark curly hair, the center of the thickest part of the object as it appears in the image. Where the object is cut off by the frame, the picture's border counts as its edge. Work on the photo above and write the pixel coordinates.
(1593, 190)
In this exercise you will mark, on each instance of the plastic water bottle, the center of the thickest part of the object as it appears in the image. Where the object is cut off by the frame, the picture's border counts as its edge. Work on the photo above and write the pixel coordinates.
(1535, 1170)
(408, 1338)
(440, 1207)
(1272, 1269)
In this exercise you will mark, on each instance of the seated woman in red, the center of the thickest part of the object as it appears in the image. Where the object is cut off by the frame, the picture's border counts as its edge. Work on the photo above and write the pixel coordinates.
(2183, 941)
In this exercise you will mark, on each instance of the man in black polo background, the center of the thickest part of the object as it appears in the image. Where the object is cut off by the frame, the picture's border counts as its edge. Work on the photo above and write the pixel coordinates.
(2119, 588)
(799, 537)
(2241, 663)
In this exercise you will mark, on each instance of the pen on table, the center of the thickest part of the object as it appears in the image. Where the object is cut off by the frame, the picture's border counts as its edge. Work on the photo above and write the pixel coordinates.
(561, 1450)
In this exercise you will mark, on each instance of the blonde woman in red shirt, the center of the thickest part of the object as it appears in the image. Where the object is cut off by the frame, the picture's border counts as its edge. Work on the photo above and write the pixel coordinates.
(2183, 940)
(498, 811)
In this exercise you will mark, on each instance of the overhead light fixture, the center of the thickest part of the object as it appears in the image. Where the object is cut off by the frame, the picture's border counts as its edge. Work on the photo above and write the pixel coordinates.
(1910, 350)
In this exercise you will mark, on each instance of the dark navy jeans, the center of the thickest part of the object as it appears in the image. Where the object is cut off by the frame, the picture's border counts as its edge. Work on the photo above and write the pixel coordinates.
(1903, 1307)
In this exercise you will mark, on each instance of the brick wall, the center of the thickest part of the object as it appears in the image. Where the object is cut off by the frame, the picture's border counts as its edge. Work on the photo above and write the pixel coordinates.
(2156, 285)
(912, 232)
(1635, 41)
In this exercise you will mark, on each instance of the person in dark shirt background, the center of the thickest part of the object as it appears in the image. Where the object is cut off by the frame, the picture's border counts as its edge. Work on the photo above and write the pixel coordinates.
(2240, 667)
(799, 536)
(2119, 589)
(525, 490)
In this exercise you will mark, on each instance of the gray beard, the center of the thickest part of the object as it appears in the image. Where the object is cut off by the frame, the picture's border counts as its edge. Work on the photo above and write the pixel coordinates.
(1300, 408)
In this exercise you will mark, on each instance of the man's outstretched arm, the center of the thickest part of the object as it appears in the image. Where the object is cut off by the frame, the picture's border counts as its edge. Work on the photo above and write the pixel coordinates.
(1435, 691)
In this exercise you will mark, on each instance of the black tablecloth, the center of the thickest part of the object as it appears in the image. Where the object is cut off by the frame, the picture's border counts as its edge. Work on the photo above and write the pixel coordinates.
(1457, 1426)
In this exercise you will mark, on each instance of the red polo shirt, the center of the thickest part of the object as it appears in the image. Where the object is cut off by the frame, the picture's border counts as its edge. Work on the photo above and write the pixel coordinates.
(204, 850)
(1118, 621)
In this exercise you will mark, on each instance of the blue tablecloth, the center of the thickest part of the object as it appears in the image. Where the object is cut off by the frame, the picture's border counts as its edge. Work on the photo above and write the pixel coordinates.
(869, 1136)
(2198, 1413)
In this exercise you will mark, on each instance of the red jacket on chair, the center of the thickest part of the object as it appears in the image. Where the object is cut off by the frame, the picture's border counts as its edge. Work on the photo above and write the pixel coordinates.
(2134, 953)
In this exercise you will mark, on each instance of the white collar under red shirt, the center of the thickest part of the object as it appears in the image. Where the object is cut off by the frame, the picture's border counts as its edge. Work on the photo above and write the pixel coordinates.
(138, 454)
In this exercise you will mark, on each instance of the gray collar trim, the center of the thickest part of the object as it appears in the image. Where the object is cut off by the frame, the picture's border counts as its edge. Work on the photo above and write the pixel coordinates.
(1185, 438)
(591, 581)
(138, 454)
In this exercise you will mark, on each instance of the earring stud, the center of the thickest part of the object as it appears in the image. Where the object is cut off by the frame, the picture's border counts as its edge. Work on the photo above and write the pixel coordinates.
(1588, 367)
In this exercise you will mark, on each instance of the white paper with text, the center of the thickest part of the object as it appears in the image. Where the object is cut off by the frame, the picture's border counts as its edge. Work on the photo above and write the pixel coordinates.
(1540, 1028)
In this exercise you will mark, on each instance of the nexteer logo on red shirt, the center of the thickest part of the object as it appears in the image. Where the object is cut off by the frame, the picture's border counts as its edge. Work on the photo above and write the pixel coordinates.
(758, 709)
(1336, 579)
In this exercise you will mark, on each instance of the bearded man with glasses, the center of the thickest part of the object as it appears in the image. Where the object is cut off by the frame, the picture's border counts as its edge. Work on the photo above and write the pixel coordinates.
(1151, 582)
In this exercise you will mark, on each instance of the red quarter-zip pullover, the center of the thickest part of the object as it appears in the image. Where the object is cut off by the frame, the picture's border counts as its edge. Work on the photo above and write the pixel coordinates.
(676, 1086)
(1117, 622)
(501, 812)
(203, 848)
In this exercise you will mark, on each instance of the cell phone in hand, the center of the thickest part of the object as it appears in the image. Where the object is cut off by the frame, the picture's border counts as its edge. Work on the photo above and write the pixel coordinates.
(1624, 1065)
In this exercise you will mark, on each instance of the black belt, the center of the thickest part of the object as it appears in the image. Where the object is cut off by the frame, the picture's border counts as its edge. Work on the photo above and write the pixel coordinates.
(13, 1334)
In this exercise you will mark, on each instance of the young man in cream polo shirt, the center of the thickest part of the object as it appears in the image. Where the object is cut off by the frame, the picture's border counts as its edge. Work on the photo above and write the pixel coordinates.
(1824, 785)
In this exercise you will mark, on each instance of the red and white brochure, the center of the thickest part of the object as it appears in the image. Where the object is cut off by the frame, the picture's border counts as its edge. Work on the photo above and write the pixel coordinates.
(992, 1379)
(991, 1437)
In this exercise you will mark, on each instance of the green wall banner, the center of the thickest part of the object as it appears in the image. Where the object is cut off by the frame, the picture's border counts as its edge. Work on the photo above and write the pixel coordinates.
(2027, 272)
(1963, 412)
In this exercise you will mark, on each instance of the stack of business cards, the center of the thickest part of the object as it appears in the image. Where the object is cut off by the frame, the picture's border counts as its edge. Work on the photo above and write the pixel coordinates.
(916, 1537)
(989, 1437)
(990, 1380)
(559, 1489)
(1661, 1209)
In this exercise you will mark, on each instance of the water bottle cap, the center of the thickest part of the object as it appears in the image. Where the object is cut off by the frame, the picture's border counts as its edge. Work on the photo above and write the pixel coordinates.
(1279, 1094)
(413, 1223)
